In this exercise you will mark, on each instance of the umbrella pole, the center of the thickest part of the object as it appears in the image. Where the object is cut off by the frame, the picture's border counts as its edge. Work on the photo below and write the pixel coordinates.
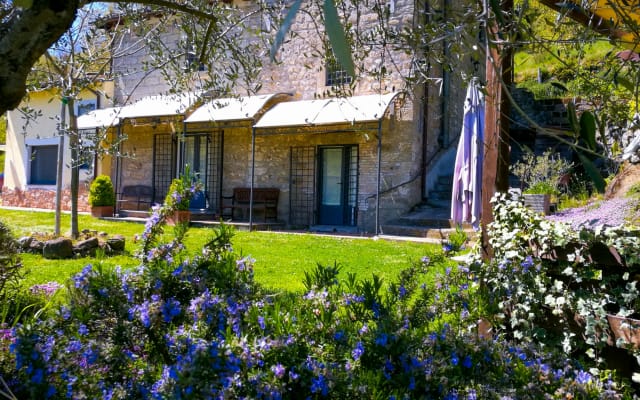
(379, 172)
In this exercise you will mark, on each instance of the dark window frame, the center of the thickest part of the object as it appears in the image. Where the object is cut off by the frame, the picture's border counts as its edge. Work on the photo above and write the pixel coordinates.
(37, 173)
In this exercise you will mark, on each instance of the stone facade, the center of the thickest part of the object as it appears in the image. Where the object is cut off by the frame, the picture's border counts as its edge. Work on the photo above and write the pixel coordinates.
(415, 129)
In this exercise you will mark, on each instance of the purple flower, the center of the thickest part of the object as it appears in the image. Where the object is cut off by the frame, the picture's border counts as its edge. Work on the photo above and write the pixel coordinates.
(278, 370)
(467, 363)
(583, 377)
(261, 322)
(82, 330)
(358, 351)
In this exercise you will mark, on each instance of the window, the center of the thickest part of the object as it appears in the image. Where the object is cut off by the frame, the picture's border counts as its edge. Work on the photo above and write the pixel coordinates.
(336, 75)
(44, 163)
(84, 106)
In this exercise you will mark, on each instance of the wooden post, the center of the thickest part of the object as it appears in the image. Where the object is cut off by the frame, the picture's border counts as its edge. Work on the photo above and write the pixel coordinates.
(495, 168)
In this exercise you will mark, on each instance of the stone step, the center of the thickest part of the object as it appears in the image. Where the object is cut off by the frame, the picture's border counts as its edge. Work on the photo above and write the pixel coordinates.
(440, 194)
(445, 180)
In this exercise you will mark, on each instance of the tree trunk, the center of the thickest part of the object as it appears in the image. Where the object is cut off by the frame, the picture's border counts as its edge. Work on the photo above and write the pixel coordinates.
(74, 142)
(24, 37)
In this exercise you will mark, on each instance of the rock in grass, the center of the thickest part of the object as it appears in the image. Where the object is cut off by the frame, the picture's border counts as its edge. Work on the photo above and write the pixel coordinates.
(59, 248)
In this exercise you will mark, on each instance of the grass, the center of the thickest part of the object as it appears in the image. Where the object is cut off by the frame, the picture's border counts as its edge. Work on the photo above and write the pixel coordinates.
(281, 258)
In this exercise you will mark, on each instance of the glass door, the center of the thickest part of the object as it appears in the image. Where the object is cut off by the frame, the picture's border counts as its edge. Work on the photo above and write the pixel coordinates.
(337, 185)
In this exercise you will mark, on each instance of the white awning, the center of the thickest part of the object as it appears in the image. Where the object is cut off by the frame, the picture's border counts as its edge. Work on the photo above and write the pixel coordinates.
(99, 118)
(152, 106)
(368, 108)
(159, 106)
(231, 109)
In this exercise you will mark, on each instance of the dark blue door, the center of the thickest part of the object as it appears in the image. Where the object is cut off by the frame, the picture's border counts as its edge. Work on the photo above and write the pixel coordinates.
(338, 183)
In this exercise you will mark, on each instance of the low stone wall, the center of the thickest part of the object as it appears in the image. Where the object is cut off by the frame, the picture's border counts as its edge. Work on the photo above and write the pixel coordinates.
(43, 198)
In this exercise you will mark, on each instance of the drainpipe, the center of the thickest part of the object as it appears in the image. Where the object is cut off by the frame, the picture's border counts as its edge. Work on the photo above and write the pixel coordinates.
(253, 170)
(118, 166)
(379, 176)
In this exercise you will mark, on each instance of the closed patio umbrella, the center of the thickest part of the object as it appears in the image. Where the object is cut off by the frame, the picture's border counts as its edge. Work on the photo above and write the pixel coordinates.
(466, 201)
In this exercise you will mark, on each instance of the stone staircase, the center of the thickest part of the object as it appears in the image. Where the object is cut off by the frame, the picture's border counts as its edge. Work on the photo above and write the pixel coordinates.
(431, 219)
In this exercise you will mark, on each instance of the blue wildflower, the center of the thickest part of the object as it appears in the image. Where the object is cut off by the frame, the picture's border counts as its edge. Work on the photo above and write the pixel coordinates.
(358, 351)
(454, 359)
(583, 377)
(319, 385)
(382, 339)
(467, 362)
(261, 322)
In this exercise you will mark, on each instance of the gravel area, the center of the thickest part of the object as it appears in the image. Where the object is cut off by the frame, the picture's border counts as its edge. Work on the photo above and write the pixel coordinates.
(613, 212)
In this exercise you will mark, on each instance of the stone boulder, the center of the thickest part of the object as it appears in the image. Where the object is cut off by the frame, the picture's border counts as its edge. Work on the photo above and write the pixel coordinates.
(87, 247)
(25, 242)
(116, 243)
(59, 248)
(36, 246)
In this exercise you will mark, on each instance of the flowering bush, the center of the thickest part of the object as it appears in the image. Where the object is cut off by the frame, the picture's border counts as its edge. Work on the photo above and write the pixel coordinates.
(182, 190)
(551, 284)
(197, 328)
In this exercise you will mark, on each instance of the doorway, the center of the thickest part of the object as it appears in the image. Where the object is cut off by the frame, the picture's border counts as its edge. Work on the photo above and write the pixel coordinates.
(337, 185)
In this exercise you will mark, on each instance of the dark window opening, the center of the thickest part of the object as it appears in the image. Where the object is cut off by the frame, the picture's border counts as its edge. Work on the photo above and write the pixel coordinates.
(44, 161)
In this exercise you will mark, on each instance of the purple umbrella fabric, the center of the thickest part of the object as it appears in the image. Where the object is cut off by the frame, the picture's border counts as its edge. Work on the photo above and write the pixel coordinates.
(466, 200)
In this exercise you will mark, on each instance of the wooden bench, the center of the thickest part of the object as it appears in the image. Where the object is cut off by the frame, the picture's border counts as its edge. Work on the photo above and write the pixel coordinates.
(135, 197)
(264, 199)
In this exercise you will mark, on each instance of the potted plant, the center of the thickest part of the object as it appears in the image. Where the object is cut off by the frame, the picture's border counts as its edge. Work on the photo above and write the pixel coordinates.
(102, 197)
(541, 178)
(179, 197)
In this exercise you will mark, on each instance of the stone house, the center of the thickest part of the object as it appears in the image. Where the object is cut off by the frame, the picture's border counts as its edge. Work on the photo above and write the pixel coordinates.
(350, 162)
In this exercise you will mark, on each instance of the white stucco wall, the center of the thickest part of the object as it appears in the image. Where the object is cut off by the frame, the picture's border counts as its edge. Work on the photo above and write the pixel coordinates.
(42, 129)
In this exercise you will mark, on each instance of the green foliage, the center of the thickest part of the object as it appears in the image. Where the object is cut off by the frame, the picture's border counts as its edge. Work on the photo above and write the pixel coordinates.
(634, 190)
(542, 188)
(455, 241)
(3, 128)
(177, 327)
(11, 270)
(181, 190)
(321, 277)
(101, 192)
(545, 276)
(541, 174)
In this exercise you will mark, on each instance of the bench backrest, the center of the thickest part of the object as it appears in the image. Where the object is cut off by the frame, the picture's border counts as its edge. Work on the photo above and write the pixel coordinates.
(137, 191)
(243, 195)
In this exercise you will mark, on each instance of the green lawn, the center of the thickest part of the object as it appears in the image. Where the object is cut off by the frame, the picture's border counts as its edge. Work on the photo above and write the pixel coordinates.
(281, 258)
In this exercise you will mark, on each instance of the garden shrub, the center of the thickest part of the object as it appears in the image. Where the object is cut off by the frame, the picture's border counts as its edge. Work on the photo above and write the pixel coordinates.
(198, 328)
(550, 284)
(10, 265)
(101, 192)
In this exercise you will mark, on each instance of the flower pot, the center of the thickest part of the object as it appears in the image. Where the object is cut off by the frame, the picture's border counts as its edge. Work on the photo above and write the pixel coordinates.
(179, 216)
(102, 211)
(627, 329)
(540, 203)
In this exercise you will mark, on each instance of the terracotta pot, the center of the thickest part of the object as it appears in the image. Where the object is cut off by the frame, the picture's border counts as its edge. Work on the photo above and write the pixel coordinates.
(627, 329)
(102, 211)
(179, 216)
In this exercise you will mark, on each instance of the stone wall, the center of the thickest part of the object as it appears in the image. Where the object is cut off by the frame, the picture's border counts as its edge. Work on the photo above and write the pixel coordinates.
(44, 198)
